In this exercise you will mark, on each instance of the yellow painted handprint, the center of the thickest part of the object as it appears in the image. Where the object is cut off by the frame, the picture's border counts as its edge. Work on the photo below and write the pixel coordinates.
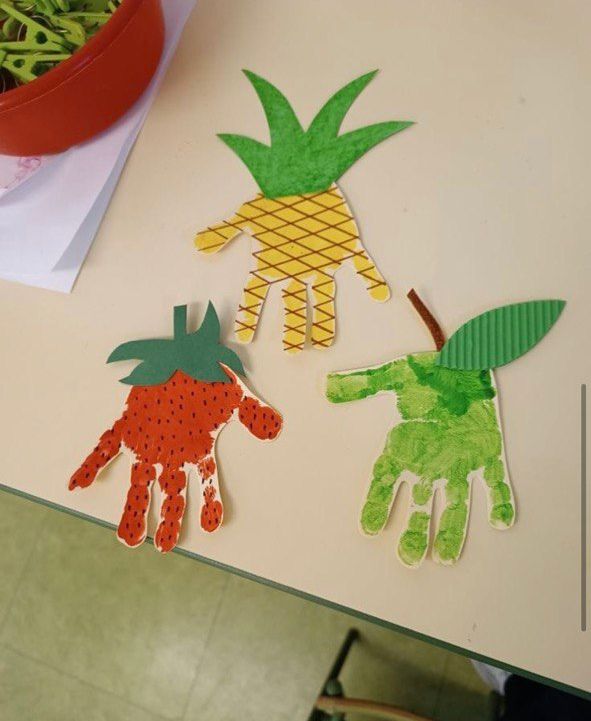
(302, 225)
(301, 239)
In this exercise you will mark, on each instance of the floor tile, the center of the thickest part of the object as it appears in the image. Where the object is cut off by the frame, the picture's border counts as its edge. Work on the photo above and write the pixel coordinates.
(131, 622)
(392, 668)
(20, 522)
(464, 696)
(98, 631)
(30, 691)
(267, 656)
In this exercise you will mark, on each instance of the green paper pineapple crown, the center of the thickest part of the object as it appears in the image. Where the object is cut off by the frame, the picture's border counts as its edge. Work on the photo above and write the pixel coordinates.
(302, 225)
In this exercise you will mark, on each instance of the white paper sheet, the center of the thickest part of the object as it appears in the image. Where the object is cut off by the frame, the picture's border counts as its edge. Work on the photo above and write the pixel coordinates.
(47, 225)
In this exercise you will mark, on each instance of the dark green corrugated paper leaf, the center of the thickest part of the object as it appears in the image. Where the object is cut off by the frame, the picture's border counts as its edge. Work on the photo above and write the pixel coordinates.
(499, 336)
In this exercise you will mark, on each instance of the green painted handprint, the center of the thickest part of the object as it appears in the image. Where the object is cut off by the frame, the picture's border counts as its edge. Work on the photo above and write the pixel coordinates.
(450, 431)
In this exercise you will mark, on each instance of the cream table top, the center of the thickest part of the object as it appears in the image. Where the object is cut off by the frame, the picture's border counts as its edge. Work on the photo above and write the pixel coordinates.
(483, 202)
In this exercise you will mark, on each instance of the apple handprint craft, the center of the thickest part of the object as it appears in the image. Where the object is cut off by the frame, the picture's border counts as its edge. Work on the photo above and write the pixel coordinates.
(450, 431)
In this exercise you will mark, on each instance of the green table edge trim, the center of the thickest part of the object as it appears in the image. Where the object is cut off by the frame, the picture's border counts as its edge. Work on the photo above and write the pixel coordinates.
(321, 601)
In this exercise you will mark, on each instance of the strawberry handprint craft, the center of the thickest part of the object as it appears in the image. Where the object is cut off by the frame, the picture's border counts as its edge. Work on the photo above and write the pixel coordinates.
(184, 392)
(450, 432)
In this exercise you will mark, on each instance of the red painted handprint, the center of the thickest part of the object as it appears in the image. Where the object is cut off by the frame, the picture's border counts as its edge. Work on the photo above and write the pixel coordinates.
(185, 391)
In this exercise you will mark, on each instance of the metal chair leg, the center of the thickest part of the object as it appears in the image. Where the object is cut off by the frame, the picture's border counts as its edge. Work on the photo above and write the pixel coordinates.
(332, 705)
(332, 686)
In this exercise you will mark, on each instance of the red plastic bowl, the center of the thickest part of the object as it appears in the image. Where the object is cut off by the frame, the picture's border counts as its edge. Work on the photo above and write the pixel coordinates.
(86, 93)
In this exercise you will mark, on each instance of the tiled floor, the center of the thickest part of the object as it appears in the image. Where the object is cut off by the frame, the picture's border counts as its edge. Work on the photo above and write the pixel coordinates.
(90, 630)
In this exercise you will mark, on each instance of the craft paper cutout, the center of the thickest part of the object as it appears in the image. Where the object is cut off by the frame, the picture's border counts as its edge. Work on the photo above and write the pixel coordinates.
(184, 393)
(449, 435)
(197, 354)
(303, 227)
(499, 336)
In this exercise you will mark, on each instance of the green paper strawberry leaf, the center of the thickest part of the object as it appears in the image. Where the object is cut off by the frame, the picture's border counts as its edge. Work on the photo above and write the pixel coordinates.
(197, 354)
(499, 336)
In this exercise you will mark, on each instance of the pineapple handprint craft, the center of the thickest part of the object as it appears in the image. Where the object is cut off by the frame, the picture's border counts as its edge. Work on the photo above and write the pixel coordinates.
(302, 225)
(450, 432)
